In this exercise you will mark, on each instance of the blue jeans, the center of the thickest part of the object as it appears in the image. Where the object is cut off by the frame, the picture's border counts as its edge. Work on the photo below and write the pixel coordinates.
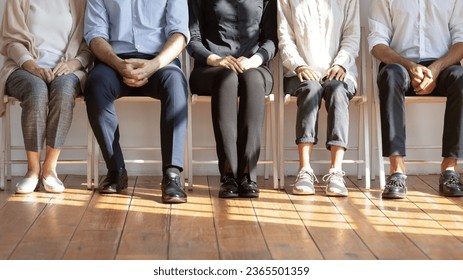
(336, 94)
(47, 109)
(104, 85)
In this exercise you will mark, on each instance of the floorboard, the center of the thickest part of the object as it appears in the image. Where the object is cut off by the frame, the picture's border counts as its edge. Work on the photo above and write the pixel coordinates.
(136, 225)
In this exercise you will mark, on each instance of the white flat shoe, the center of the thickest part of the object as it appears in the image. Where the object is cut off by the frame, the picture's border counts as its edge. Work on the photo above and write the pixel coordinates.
(53, 185)
(27, 185)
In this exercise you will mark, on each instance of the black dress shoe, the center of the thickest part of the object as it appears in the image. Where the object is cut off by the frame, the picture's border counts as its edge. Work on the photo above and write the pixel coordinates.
(173, 190)
(449, 184)
(248, 188)
(229, 187)
(395, 186)
(115, 182)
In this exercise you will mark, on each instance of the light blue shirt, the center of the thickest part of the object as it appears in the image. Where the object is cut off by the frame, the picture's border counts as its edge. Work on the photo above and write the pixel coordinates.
(141, 26)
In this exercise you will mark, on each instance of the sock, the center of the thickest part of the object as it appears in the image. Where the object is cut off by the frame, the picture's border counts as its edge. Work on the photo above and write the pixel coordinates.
(334, 170)
(172, 171)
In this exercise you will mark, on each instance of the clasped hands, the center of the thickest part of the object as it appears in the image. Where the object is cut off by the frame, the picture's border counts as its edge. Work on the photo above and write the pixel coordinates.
(336, 72)
(135, 72)
(423, 79)
(238, 65)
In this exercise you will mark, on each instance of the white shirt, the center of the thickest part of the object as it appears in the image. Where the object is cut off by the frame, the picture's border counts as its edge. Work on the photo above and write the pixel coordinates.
(50, 22)
(319, 34)
(418, 30)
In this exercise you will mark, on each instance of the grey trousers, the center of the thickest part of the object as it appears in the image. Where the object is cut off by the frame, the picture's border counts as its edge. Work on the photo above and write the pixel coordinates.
(47, 109)
(336, 94)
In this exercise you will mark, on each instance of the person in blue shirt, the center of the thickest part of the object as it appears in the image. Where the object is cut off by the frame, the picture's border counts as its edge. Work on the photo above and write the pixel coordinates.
(136, 44)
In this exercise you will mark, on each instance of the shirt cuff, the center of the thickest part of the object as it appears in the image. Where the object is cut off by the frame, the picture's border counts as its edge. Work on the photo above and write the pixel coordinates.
(23, 59)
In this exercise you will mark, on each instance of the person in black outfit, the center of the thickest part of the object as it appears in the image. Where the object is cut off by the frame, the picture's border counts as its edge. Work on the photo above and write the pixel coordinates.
(231, 43)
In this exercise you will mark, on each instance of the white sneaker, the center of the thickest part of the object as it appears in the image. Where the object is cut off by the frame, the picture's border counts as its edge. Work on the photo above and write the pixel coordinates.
(304, 184)
(53, 185)
(27, 185)
(335, 184)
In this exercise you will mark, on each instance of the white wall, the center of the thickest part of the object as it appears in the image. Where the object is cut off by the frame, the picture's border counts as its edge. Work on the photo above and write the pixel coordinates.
(139, 125)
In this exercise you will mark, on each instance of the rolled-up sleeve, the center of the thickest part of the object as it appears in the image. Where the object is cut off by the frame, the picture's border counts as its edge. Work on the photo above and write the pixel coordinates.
(456, 23)
(177, 18)
(350, 42)
(379, 24)
(290, 56)
(96, 22)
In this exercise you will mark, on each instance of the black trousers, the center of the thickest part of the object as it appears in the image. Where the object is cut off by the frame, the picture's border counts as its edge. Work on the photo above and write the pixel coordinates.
(237, 129)
(104, 85)
(394, 84)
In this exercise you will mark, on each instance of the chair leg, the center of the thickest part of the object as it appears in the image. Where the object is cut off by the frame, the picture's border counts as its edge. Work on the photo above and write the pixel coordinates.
(2, 156)
(7, 120)
(189, 161)
(281, 131)
(96, 159)
(382, 176)
(267, 137)
(366, 143)
(274, 145)
(360, 150)
(90, 151)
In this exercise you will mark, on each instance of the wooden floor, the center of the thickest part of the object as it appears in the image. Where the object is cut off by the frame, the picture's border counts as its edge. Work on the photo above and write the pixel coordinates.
(81, 224)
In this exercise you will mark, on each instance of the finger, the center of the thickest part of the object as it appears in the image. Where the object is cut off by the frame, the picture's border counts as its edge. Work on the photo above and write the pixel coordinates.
(49, 75)
(309, 76)
(313, 76)
(343, 77)
(233, 63)
(331, 75)
(300, 76)
(58, 68)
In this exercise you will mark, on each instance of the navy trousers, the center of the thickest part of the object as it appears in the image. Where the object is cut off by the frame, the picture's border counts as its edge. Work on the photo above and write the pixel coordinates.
(104, 85)
(394, 84)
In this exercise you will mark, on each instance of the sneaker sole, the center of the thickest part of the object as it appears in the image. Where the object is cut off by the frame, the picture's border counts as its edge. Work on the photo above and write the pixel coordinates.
(296, 192)
(333, 194)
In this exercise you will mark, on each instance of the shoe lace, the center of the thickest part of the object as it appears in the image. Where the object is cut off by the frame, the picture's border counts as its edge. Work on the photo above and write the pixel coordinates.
(334, 176)
(304, 174)
(395, 182)
(453, 180)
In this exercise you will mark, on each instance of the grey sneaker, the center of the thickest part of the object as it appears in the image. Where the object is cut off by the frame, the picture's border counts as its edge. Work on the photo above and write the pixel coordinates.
(304, 184)
(335, 184)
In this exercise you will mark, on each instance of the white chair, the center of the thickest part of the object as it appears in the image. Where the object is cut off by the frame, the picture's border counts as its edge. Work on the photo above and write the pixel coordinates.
(270, 146)
(6, 147)
(377, 128)
(363, 151)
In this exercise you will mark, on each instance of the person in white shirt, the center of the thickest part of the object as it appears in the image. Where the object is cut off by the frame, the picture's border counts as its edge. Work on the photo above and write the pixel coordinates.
(420, 45)
(319, 43)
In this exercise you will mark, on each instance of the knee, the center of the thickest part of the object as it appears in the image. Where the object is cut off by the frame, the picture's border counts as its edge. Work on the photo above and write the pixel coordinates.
(309, 91)
(226, 78)
(335, 92)
(36, 97)
(456, 76)
(392, 73)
